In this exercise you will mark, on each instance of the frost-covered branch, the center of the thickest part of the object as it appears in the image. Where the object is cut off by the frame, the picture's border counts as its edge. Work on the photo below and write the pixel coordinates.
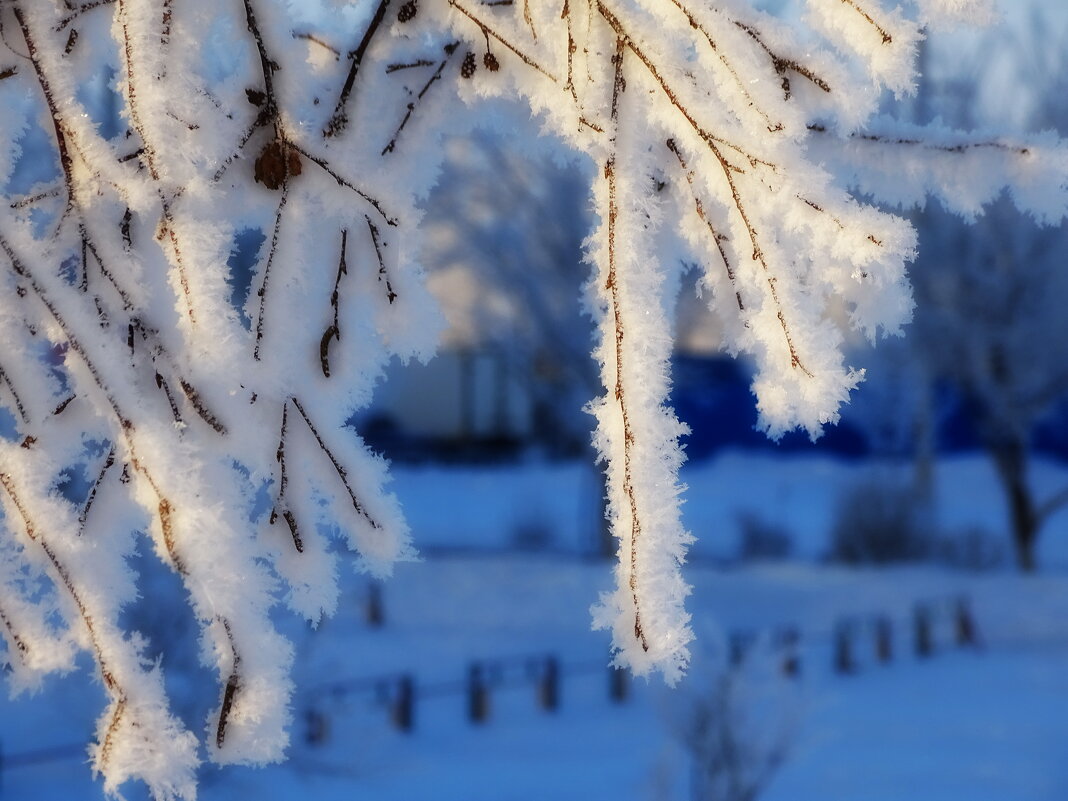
(724, 137)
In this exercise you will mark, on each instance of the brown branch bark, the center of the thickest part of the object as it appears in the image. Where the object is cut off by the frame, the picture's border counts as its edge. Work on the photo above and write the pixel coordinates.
(14, 395)
(16, 640)
(233, 683)
(887, 38)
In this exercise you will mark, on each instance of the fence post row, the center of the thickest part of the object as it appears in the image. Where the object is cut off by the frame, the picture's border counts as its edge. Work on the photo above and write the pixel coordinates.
(398, 692)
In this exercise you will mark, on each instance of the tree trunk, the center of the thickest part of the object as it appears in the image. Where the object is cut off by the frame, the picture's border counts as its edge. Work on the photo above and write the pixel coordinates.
(1010, 456)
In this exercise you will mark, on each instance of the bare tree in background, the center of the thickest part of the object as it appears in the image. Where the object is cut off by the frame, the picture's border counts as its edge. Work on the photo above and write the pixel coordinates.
(990, 312)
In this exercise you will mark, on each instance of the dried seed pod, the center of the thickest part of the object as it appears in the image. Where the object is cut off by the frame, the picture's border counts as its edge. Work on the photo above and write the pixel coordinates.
(491, 62)
(275, 163)
(407, 11)
(467, 69)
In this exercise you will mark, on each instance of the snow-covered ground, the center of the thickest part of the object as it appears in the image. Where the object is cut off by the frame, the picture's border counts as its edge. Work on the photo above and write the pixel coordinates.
(488, 508)
(963, 725)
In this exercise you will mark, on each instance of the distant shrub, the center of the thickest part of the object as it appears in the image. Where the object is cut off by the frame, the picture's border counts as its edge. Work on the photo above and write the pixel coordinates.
(532, 532)
(878, 521)
(736, 723)
(762, 539)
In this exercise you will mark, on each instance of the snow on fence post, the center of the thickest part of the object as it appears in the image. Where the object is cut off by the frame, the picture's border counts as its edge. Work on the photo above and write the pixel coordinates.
(843, 648)
(790, 644)
(884, 639)
(921, 621)
(964, 622)
(477, 693)
(617, 684)
(402, 704)
(549, 684)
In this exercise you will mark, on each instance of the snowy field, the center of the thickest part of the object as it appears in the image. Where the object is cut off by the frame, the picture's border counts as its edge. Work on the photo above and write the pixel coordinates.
(966, 724)
(556, 504)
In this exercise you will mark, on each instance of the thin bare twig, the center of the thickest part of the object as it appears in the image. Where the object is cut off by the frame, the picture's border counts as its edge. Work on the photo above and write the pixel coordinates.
(717, 237)
(488, 30)
(341, 472)
(311, 37)
(334, 330)
(383, 275)
(283, 482)
(887, 38)
(14, 395)
(262, 293)
(449, 50)
(339, 120)
(109, 460)
(391, 221)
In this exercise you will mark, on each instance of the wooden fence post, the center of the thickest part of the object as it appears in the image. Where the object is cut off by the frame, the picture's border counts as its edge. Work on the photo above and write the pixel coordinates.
(921, 621)
(402, 708)
(884, 639)
(375, 611)
(790, 643)
(477, 693)
(549, 684)
(316, 727)
(617, 684)
(739, 646)
(843, 648)
(964, 622)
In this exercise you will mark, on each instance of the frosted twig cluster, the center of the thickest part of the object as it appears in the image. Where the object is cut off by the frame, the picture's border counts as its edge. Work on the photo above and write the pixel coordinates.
(135, 359)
